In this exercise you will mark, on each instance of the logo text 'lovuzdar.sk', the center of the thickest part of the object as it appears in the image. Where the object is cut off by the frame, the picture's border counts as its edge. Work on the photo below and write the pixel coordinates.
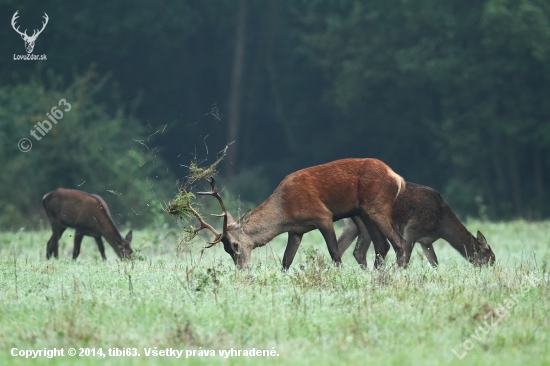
(29, 40)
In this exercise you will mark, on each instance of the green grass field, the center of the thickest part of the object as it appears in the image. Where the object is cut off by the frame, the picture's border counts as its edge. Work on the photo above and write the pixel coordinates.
(174, 297)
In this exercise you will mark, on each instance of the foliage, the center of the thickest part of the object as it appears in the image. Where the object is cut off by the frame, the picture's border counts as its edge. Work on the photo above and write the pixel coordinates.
(457, 76)
(180, 206)
(197, 173)
(89, 148)
(450, 94)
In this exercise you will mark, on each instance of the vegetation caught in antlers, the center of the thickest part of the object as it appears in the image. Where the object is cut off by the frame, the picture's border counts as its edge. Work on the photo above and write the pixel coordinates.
(182, 204)
(196, 173)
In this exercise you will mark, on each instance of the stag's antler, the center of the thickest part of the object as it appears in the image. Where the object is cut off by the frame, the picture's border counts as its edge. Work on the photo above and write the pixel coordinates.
(214, 192)
(205, 225)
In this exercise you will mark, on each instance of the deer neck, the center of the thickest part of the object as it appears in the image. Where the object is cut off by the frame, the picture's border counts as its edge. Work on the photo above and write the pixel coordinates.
(456, 234)
(265, 223)
(110, 232)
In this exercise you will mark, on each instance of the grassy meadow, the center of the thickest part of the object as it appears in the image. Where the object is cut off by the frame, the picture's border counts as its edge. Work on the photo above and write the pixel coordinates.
(172, 296)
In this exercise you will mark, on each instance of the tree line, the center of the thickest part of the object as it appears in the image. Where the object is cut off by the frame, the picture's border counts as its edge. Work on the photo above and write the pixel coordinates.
(453, 95)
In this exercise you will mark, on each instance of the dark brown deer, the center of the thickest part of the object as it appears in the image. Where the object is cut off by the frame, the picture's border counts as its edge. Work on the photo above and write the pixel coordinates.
(421, 215)
(313, 198)
(89, 215)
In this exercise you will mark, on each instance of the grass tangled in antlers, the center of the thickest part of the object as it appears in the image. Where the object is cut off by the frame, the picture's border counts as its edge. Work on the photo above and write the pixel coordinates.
(197, 173)
(181, 205)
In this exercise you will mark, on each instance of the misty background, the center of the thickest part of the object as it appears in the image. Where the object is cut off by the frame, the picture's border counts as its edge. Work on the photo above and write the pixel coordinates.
(451, 94)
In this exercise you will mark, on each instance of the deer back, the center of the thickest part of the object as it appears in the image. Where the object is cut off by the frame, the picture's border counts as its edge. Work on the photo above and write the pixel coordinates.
(340, 187)
(76, 209)
(420, 208)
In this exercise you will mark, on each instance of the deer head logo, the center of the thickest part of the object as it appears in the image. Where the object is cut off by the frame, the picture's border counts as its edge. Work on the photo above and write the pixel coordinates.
(29, 41)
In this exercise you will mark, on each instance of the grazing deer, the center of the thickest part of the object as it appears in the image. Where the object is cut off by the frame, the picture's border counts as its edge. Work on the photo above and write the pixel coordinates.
(421, 215)
(89, 215)
(313, 198)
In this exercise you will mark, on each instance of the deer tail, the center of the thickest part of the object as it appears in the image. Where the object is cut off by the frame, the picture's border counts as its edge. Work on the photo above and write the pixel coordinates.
(44, 199)
(401, 184)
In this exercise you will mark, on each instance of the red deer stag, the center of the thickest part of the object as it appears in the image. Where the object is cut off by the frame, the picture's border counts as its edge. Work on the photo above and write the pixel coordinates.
(89, 215)
(313, 198)
(421, 215)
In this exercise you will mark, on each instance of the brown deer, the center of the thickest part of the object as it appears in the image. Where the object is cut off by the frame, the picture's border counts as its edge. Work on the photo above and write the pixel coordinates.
(421, 215)
(313, 198)
(89, 215)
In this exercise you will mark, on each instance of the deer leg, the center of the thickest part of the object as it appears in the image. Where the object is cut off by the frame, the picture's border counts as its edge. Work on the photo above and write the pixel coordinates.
(77, 241)
(350, 232)
(52, 244)
(52, 248)
(292, 245)
(360, 253)
(381, 245)
(383, 221)
(363, 242)
(429, 252)
(327, 230)
(100, 246)
(381, 254)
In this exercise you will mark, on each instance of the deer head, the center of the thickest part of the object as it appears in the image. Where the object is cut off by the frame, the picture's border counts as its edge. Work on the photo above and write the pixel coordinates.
(29, 40)
(483, 254)
(125, 247)
(235, 241)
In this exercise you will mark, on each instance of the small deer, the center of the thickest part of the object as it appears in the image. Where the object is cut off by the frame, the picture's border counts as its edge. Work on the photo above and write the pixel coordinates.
(421, 215)
(89, 215)
(313, 198)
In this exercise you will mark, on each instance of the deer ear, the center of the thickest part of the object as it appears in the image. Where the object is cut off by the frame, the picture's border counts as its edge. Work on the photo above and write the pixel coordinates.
(129, 236)
(482, 241)
(243, 220)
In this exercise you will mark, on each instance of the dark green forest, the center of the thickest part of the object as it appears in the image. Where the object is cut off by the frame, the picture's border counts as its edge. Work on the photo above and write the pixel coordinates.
(451, 94)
